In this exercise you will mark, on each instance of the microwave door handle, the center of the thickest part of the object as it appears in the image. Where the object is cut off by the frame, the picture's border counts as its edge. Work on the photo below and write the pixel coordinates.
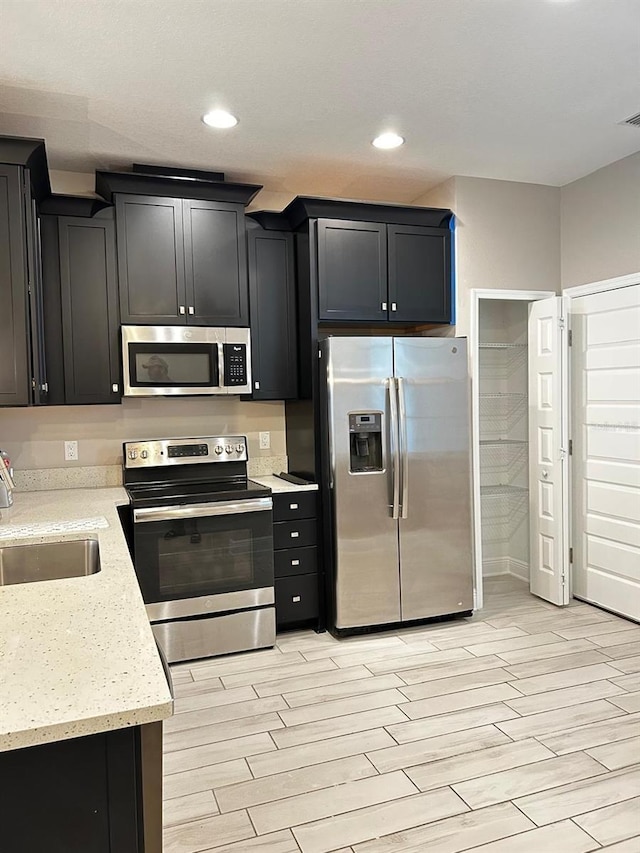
(208, 510)
(404, 452)
(394, 448)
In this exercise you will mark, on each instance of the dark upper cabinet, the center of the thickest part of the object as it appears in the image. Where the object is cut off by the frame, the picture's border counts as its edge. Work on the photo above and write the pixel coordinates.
(273, 314)
(181, 261)
(419, 273)
(151, 260)
(22, 364)
(81, 308)
(89, 302)
(215, 263)
(14, 341)
(352, 270)
(370, 271)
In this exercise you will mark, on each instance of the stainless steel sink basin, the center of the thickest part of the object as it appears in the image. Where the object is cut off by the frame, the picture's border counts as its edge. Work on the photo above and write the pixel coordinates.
(48, 561)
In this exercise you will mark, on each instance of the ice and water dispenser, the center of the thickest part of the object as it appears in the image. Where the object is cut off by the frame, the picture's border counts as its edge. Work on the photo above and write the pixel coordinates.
(365, 442)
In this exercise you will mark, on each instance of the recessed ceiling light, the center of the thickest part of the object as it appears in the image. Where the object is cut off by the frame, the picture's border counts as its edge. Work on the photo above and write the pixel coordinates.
(220, 119)
(388, 140)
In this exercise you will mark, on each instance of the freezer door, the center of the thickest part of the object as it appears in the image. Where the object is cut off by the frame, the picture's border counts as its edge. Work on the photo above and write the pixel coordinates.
(436, 565)
(366, 574)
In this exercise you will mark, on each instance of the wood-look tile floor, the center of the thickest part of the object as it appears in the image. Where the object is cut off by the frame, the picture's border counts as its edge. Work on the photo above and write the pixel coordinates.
(515, 731)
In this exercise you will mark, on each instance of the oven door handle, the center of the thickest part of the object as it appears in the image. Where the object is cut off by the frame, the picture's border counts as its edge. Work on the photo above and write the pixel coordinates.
(169, 513)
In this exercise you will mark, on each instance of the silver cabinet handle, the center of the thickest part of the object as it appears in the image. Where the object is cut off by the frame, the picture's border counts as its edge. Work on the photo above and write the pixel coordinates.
(192, 310)
(394, 448)
(182, 309)
(295, 534)
(394, 307)
(296, 599)
(115, 387)
(256, 385)
(404, 452)
(295, 562)
(293, 506)
(169, 513)
(384, 306)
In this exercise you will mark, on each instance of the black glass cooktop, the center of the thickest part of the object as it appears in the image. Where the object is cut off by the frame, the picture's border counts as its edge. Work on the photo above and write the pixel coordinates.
(164, 494)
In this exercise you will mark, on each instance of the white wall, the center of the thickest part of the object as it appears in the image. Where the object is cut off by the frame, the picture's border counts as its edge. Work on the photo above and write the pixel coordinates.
(507, 236)
(600, 224)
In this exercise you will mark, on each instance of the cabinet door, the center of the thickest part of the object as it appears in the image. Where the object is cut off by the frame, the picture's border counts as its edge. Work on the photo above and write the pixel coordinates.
(150, 260)
(15, 377)
(215, 263)
(352, 270)
(273, 320)
(419, 274)
(89, 310)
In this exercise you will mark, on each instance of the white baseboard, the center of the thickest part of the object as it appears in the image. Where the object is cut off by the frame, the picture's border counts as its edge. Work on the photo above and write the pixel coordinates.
(519, 569)
(496, 566)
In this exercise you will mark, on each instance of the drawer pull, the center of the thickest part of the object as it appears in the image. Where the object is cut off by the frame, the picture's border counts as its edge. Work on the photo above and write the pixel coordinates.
(296, 599)
(295, 534)
(293, 506)
(295, 562)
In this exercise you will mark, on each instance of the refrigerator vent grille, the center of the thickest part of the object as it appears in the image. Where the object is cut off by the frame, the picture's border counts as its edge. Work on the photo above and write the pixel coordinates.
(634, 121)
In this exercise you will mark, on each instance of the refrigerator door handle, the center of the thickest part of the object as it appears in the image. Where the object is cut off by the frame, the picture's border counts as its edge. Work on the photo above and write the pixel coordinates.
(404, 454)
(394, 448)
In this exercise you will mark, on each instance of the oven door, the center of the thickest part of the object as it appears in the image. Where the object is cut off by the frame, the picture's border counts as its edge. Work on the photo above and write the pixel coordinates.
(204, 558)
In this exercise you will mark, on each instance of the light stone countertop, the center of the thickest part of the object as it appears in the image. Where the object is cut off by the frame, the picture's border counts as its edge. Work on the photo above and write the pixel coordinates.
(77, 655)
(279, 486)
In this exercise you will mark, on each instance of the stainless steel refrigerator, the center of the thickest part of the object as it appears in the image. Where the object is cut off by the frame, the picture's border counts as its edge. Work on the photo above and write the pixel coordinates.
(398, 414)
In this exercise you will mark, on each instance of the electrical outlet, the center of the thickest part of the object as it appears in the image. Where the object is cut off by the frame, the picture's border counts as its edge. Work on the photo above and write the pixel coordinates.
(71, 451)
(265, 440)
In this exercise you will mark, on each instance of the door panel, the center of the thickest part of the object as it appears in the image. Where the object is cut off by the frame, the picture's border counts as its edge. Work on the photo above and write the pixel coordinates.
(352, 270)
(606, 457)
(150, 260)
(215, 264)
(548, 449)
(419, 274)
(367, 582)
(436, 554)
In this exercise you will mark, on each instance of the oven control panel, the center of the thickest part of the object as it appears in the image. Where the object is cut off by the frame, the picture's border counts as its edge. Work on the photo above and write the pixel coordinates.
(185, 451)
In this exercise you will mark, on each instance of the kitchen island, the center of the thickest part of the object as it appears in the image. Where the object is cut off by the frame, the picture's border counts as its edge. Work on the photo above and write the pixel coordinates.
(82, 689)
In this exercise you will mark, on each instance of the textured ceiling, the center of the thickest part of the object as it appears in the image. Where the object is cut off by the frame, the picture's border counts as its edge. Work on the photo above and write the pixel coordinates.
(523, 90)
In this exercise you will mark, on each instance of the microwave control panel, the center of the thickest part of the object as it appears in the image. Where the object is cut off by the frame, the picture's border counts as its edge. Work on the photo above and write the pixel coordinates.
(235, 364)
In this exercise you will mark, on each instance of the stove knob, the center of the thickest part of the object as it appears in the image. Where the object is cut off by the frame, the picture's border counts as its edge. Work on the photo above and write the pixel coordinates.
(144, 454)
(219, 449)
(133, 454)
(239, 447)
(229, 448)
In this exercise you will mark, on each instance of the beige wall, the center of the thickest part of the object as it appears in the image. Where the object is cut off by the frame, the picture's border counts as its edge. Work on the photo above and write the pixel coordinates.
(507, 236)
(35, 437)
(601, 224)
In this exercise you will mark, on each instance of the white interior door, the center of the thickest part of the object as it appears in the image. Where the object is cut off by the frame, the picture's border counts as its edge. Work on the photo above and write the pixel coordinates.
(605, 369)
(548, 449)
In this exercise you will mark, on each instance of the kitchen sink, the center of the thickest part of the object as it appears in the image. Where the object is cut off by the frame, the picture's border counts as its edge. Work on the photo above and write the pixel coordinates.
(48, 561)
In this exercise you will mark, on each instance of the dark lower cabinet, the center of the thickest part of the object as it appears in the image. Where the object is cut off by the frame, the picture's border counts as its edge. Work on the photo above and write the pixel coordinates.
(81, 305)
(95, 794)
(272, 302)
(295, 558)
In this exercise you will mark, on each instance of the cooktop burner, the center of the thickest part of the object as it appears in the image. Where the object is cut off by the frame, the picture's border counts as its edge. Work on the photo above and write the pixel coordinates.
(160, 494)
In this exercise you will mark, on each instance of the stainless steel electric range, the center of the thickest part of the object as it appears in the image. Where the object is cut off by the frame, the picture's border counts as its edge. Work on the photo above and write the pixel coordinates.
(202, 545)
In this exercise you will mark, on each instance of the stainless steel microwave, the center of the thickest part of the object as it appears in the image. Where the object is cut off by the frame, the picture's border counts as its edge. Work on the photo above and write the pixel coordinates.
(185, 360)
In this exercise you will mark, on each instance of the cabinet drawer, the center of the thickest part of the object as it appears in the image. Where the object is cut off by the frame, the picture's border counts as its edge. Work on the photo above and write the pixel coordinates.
(294, 534)
(295, 561)
(296, 599)
(293, 505)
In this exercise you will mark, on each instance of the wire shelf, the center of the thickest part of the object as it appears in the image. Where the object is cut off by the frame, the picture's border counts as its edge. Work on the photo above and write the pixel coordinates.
(499, 345)
(498, 491)
(503, 396)
(503, 442)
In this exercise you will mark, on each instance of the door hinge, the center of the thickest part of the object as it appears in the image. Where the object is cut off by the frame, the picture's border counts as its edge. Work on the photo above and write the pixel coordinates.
(319, 353)
(570, 447)
(571, 555)
(570, 338)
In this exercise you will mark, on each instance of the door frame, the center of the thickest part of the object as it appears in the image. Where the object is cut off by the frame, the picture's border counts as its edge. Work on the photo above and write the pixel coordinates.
(477, 295)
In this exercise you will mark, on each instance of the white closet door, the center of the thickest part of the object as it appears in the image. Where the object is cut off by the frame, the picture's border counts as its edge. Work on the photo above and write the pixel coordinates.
(605, 372)
(548, 446)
